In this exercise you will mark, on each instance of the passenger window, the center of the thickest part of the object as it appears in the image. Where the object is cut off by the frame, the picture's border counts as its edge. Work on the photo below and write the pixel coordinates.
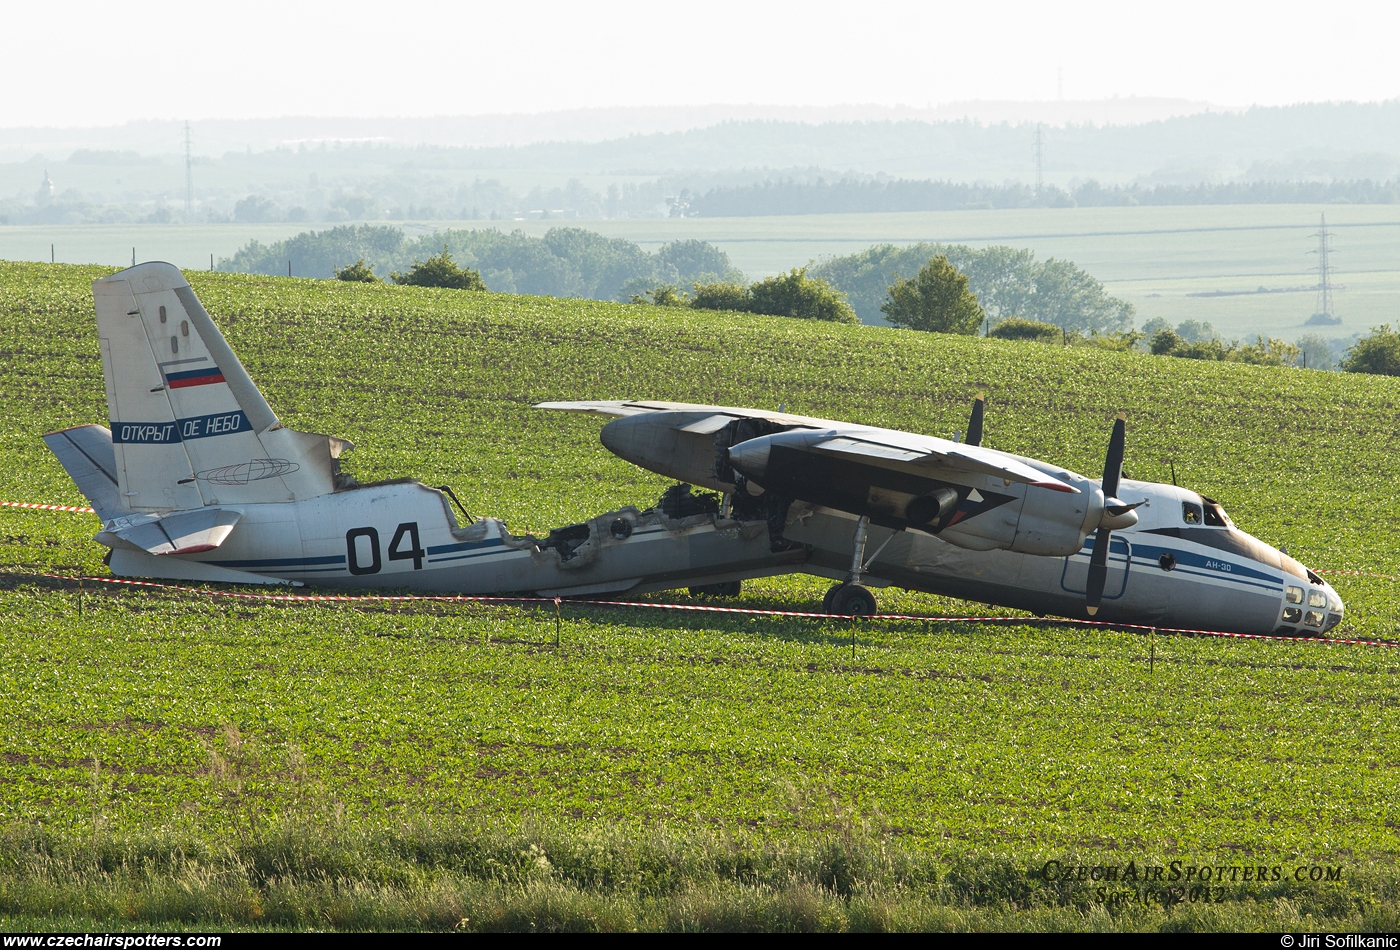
(1190, 512)
(1317, 599)
(1294, 595)
(1313, 618)
(1292, 614)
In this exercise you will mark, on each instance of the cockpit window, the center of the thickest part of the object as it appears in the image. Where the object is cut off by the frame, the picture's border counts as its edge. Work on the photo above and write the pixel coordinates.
(1215, 515)
(1191, 512)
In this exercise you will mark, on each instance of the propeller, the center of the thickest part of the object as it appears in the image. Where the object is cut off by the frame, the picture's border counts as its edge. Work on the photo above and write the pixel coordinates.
(1114, 510)
(974, 425)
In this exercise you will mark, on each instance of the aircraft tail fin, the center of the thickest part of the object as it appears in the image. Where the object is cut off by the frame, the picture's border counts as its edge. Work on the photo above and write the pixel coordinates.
(189, 427)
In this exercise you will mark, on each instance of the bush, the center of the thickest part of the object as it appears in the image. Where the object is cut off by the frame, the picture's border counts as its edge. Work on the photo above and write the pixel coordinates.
(358, 271)
(721, 296)
(1014, 328)
(1262, 352)
(794, 294)
(1125, 342)
(667, 295)
(936, 300)
(440, 271)
(1378, 353)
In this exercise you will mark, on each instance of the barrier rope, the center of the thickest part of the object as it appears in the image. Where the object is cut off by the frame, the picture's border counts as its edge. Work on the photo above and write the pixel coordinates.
(25, 504)
(694, 608)
(698, 608)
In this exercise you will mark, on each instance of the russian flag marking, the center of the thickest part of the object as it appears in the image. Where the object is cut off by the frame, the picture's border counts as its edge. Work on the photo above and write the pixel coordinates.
(194, 377)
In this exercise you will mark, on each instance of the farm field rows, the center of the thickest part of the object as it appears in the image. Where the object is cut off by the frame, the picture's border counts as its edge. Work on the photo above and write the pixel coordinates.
(1153, 256)
(214, 720)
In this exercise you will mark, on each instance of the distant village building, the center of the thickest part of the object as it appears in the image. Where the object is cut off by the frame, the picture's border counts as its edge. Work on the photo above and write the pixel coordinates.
(45, 192)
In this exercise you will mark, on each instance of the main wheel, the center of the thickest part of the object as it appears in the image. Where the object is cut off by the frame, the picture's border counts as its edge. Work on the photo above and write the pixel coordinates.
(853, 600)
(830, 596)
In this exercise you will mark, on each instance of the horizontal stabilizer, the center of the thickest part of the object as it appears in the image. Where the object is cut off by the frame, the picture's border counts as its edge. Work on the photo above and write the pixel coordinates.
(86, 454)
(183, 532)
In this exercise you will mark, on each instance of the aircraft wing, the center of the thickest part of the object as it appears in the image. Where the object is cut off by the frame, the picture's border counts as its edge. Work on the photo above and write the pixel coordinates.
(637, 407)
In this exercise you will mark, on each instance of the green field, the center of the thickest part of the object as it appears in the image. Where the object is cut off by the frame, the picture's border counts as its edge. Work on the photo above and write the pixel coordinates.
(169, 759)
(1153, 256)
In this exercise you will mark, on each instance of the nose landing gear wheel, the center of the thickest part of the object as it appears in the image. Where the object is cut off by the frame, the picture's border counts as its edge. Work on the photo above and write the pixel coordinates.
(850, 599)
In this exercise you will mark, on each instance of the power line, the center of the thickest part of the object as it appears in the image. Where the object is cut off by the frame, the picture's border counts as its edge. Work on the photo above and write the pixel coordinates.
(189, 175)
(1324, 270)
(1039, 158)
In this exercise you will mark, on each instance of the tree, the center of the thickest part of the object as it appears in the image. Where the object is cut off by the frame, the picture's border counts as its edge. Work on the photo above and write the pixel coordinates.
(358, 271)
(1316, 352)
(440, 271)
(1165, 342)
(937, 300)
(721, 296)
(998, 276)
(1069, 297)
(696, 261)
(254, 209)
(794, 294)
(1378, 353)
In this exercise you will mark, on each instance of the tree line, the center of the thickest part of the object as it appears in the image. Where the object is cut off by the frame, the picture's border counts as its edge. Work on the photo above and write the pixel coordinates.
(565, 262)
(1007, 281)
(853, 195)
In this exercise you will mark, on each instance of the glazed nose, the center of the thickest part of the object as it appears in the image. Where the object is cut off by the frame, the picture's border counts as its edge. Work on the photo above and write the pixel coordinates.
(1314, 608)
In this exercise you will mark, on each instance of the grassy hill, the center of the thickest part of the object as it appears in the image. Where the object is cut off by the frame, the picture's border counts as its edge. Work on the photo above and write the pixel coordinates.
(285, 765)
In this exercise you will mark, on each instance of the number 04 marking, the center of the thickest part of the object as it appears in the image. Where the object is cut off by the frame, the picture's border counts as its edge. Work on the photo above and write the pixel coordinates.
(414, 552)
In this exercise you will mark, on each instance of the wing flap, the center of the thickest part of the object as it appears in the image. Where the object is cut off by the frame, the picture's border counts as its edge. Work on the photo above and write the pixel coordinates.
(962, 459)
(851, 446)
(708, 425)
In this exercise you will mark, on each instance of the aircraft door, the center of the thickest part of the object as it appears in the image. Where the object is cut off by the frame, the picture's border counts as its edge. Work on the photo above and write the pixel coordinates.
(1075, 576)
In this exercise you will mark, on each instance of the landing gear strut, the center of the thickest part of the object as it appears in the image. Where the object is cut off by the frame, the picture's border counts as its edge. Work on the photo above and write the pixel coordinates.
(851, 598)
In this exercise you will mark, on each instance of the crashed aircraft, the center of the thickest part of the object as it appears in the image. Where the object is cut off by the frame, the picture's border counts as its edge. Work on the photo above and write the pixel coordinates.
(198, 480)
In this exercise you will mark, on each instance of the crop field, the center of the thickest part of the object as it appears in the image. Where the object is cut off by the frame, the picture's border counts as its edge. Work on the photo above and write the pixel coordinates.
(170, 759)
(1179, 263)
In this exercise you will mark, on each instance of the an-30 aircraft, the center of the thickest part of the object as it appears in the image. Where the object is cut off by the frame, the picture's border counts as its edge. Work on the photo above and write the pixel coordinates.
(198, 480)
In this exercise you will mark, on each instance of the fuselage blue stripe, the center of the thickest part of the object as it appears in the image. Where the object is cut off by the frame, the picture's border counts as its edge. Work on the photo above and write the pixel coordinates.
(282, 561)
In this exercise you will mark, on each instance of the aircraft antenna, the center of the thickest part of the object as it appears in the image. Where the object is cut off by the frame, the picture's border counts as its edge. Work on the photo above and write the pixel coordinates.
(1324, 271)
(189, 174)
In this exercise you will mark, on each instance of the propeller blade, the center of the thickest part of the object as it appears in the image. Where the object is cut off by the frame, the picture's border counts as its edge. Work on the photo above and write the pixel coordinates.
(1098, 572)
(1113, 464)
(974, 425)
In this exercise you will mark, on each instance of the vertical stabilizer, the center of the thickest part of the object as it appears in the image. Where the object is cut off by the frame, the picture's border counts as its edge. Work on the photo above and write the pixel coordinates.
(189, 428)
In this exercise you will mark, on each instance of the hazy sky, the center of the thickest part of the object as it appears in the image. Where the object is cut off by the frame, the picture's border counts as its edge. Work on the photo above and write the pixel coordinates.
(80, 63)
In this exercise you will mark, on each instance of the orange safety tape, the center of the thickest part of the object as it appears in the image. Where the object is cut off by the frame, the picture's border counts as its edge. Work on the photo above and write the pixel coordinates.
(25, 504)
(701, 608)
